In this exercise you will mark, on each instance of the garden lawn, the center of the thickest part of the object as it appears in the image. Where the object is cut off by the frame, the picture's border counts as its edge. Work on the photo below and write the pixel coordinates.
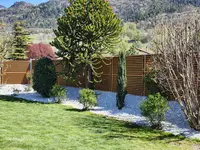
(26, 125)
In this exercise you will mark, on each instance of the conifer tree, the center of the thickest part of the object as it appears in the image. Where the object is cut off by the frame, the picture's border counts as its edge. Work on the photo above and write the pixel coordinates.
(86, 30)
(21, 40)
(121, 79)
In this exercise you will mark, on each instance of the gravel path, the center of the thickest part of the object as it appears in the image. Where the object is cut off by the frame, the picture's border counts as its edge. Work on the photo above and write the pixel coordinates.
(175, 121)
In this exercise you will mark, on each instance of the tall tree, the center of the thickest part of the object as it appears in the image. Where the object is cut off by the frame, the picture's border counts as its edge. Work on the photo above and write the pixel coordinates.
(21, 41)
(86, 30)
(121, 79)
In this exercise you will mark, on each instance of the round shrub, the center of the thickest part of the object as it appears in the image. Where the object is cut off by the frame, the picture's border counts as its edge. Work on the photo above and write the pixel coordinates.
(37, 51)
(88, 98)
(44, 76)
(59, 93)
(154, 109)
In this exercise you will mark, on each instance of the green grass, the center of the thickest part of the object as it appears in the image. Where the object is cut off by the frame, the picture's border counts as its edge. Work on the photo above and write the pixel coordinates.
(25, 125)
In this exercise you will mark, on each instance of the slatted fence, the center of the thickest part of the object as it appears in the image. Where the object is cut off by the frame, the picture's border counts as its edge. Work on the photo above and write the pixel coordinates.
(15, 73)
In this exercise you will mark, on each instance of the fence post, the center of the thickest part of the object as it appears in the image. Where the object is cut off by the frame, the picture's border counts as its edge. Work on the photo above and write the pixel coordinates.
(31, 67)
(111, 74)
(1, 72)
(144, 68)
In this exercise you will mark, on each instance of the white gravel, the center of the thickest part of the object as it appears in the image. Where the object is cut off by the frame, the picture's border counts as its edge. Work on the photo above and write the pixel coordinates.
(175, 120)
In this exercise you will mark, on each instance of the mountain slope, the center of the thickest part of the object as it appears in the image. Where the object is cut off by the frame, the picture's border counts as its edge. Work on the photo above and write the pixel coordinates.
(44, 15)
(2, 7)
(20, 5)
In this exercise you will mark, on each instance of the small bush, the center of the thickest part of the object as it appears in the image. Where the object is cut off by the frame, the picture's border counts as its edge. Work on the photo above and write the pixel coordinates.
(29, 78)
(44, 76)
(59, 93)
(154, 109)
(37, 51)
(88, 98)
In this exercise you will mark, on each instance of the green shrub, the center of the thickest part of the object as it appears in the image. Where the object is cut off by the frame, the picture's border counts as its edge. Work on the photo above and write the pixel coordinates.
(154, 109)
(59, 93)
(88, 98)
(28, 77)
(44, 76)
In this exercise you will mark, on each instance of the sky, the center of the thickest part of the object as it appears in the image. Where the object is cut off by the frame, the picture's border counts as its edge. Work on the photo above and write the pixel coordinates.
(8, 3)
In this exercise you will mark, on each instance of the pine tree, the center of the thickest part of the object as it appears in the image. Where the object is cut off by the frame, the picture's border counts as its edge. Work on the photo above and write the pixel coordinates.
(86, 31)
(121, 79)
(21, 40)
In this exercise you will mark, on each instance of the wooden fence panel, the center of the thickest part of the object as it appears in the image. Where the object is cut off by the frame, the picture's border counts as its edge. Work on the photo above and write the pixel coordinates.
(135, 85)
(135, 74)
(14, 78)
(137, 66)
(105, 84)
(15, 72)
(134, 65)
(115, 65)
(106, 77)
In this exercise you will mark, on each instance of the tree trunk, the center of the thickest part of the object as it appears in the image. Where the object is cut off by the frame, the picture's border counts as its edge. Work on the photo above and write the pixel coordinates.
(89, 78)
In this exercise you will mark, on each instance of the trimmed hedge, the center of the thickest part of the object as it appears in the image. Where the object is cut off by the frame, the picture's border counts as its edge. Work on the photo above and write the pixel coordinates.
(44, 76)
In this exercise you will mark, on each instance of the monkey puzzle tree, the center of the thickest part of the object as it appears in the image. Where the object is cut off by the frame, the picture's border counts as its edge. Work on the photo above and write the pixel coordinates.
(86, 30)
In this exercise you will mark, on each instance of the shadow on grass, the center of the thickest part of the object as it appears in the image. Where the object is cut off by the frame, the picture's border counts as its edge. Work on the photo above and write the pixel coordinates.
(113, 129)
(20, 100)
(160, 134)
(74, 110)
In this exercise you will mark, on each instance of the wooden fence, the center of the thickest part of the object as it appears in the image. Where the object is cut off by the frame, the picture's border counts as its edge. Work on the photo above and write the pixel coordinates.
(14, 72)
(136, 69)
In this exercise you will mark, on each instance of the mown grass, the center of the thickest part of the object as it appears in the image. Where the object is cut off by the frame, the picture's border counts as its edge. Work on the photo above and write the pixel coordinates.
(25, 125)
